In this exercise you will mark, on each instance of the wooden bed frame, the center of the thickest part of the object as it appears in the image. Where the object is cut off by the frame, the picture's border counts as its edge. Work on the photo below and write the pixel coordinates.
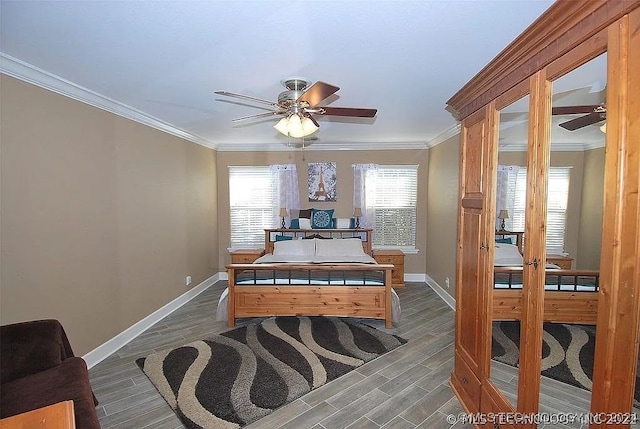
(567, 306)
(260, 300)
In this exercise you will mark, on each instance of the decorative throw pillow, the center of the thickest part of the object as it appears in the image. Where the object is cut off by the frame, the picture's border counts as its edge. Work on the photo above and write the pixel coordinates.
(305, 213)
(321, 219)
(283, 237)
(504, 240)
(294, 224)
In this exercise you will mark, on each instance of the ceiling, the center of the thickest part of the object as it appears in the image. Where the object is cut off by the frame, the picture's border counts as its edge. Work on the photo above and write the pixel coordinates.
(159, 62)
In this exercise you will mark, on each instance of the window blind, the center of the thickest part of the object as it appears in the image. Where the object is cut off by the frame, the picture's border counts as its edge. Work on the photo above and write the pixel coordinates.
(557, 197)
(392, 198)
(252, 205)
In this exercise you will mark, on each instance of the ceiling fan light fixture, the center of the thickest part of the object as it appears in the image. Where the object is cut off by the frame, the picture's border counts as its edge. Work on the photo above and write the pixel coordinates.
(296, 126)
(308, 126)
(282, 126)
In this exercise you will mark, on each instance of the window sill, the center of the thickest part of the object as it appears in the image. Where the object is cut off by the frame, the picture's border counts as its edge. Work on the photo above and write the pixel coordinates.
(407, 250)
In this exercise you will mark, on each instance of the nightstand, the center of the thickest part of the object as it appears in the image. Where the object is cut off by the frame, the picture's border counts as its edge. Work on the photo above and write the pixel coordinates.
(395, 257)
(563, 262)
(245, 256)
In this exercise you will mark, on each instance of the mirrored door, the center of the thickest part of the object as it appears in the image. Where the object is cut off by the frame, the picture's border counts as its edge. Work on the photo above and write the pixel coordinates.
(508, 246)
(573, 238)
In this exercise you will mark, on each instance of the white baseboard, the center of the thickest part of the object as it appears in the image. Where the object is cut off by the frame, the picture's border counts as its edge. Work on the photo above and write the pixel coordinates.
(448, 299)
(415, 277)
(106, 349)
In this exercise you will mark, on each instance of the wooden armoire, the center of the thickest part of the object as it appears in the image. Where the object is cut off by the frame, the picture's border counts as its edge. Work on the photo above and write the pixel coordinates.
(567, 35)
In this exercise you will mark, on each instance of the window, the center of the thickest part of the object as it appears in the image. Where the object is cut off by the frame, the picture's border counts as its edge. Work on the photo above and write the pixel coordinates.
(391, 195)
(558, 192)
(252, 205)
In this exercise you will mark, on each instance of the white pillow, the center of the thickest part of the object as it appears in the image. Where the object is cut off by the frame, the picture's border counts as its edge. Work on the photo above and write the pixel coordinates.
(339, 247)
(507, 255)
(304, 223)
(343, 223)
(294, 247)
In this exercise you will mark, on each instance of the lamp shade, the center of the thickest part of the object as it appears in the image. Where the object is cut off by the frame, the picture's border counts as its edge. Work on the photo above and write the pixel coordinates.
(282, 126)
(357, 212)
(296, 126)
(283, 212)
(504, 214)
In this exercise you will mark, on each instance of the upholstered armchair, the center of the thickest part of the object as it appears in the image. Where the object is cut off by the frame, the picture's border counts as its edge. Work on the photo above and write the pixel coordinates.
(38, 368)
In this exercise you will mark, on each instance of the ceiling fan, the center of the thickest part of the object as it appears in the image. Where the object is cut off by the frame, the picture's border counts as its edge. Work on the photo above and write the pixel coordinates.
(593, 114)
(297, 105)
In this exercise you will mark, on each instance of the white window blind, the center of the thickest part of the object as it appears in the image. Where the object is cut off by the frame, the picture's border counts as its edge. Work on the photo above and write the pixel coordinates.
(252, 205)
(557, 197)
(392, 200)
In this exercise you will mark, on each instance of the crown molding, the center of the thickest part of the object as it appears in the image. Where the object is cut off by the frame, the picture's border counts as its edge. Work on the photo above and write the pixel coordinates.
(555, 147)
(31, 74)
(318, 146)
(445, 135)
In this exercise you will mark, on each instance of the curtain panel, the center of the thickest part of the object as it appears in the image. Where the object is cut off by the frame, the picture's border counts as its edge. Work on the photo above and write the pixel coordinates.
(287, 191)
(362, 172)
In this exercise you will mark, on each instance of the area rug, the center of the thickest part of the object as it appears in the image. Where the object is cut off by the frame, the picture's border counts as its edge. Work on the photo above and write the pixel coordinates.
(235, 378)
(567, 351)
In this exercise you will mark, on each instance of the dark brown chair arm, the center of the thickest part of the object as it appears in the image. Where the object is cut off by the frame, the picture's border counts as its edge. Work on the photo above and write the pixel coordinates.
(30, 347)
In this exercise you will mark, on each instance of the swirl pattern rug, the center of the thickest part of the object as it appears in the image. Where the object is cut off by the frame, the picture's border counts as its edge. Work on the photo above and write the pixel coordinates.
(235, 378)
(567, 351)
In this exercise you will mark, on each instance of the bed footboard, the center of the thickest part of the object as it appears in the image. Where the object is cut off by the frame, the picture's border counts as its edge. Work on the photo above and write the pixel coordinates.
(571, 296)
(259, 290)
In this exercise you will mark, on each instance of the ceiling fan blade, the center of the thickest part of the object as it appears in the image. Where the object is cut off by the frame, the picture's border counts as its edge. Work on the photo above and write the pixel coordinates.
(583, 121)
(572, 110)
(313, 120)
(260, 115)
(246, 97)
(348, 111)
(317, 92)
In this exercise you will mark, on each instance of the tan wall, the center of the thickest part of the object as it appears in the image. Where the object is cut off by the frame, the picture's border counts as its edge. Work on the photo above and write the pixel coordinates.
(590, 237)
(101, 217)
(442, 214)
(344, 204)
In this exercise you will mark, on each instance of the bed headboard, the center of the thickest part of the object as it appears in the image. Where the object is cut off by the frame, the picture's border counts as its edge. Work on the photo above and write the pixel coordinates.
(363, 233)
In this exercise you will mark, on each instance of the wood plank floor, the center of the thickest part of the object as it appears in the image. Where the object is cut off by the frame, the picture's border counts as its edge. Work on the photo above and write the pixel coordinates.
(406, 388)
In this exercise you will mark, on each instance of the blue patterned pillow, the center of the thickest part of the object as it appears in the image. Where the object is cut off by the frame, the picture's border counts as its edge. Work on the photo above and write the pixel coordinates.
(321, 219)
(504, 240)
(295, 224)
(283, 237)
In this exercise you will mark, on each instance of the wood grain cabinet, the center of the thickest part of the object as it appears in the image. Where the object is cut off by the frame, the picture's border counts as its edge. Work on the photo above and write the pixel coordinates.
(395, 257)
(245, 256)
(529, 67)
(56, 416)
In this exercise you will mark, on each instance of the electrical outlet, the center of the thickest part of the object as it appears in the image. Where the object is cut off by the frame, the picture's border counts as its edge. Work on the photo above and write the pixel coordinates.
(187, 280)
(446, 281)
